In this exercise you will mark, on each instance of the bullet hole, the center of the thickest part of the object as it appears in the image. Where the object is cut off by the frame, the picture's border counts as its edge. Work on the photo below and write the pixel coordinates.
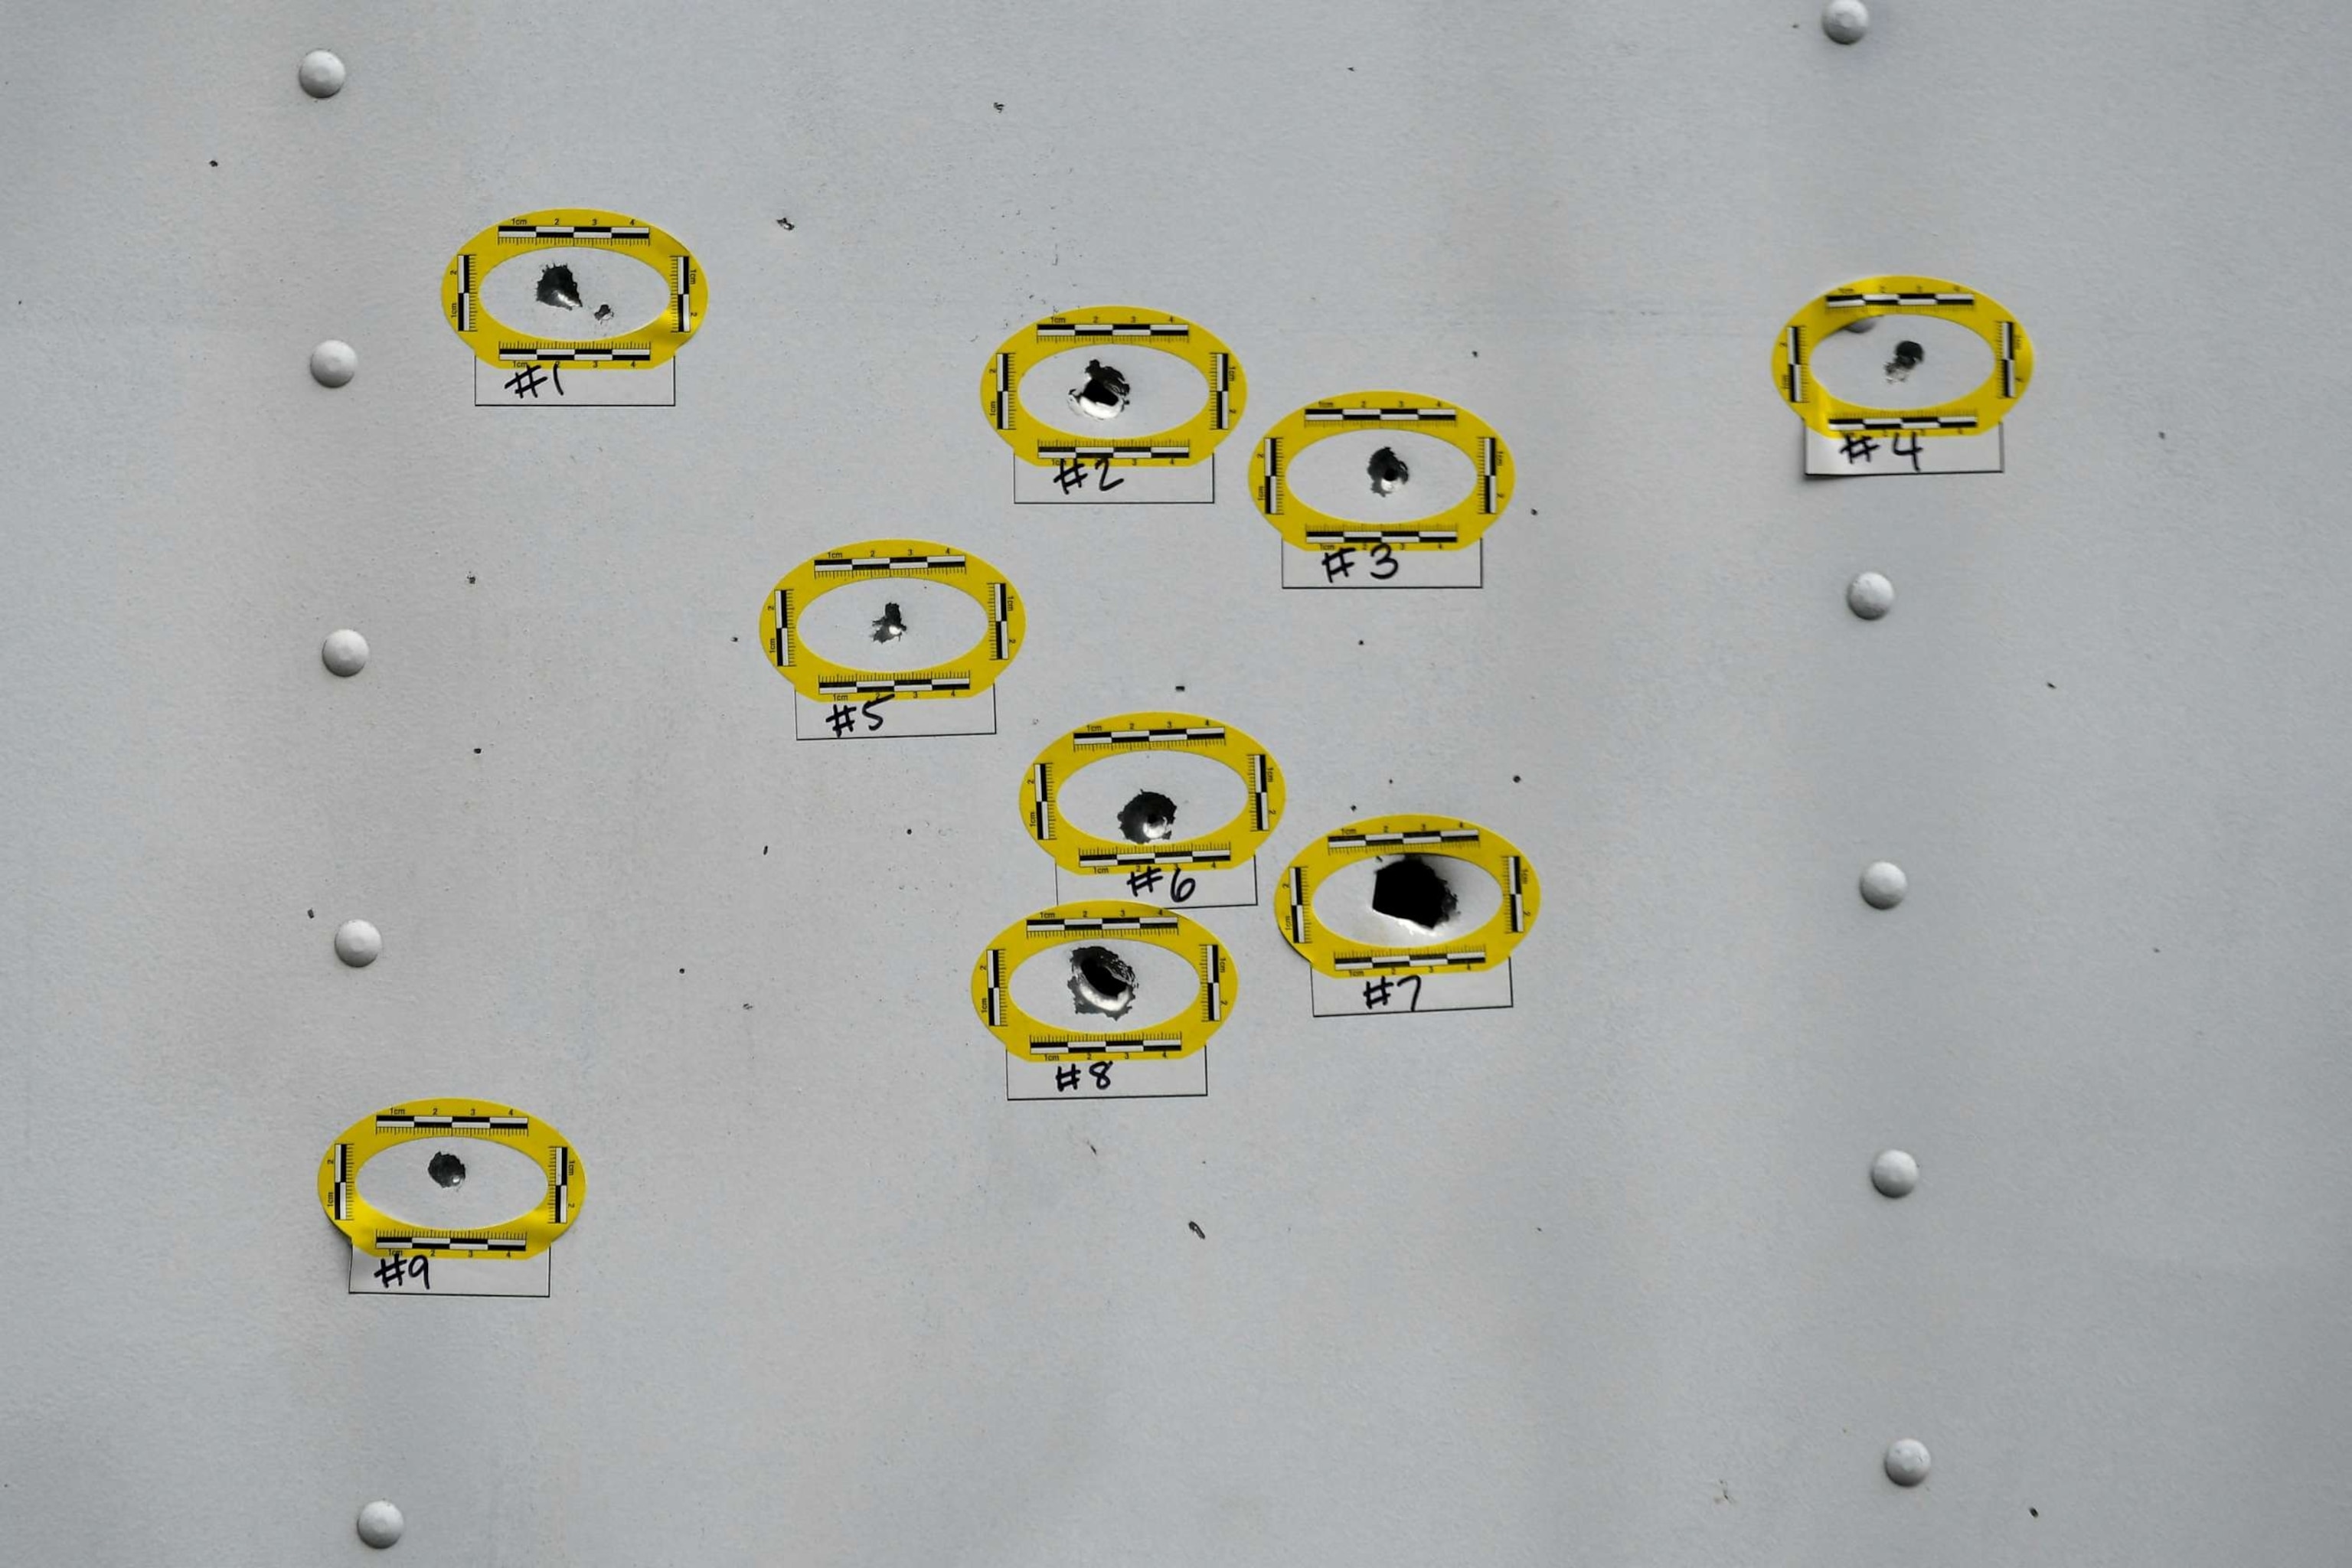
(1387, 471)
(1000, 109)
(446, 1168)
(1194, 1225)
(1514, 778)
(477, 751)
(890, 625)
(557, 287)
(1103, 396)
(783, 223)
(604, 312)
(1149, 818)
(470, 577)
(2051, 684)
(2035, 1511)
(1180, 688)
(1908, 356)
(763, 849)
(312, 913)
(1101, 981)
(215, 163)
(1410, 889)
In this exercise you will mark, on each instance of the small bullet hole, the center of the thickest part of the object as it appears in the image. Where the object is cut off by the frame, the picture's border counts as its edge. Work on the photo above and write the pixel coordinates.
(1410, 889)
(1101, 982)
(1387, 472)
(1514, 778)
(681, 972)
(1180, 688)
(446, 1168)
(469, 576)
(1000, 109)
(1908, 356)
(1103, 396)
(2051, 684)
(312, 913)
(477, 751)
(2035, 1511)
(734, 639)
(890, 625)
(556, 288)
(1149, 818)
(783, 223)
(215, 163)
(1195, 1223)
(763, 849)
(604, 312)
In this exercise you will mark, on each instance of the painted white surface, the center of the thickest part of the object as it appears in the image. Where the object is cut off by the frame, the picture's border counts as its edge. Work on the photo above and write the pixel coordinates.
(1599, 1279)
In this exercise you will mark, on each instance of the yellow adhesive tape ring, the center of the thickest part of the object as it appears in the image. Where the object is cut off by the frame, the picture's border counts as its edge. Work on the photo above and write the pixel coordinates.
(820, 679)
(380, 1235)
(497, 343)
(1075, 850)
(1035, 441)
(1453, 529)
(1341, 957)
(1026, 1037)
(1865, 297)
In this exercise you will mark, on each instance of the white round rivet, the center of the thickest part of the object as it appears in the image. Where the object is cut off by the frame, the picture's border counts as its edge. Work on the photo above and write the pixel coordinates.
(1884, 884)
(380, 1525)
(1845, 20)
(358, 944)
(1894, 1173)
(1907, 1461)
(334, 363)
(346, 652)
(322, 75)
(1870, 595)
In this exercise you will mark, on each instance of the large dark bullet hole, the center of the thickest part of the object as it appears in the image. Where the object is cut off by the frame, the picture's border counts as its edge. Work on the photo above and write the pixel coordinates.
(446, 1168)
(1908, 357)
(556, 288)
(1410, 889)
(890, 625)
(1149, 818)
(1388, 472)
(1101, 981)
(1103, 396)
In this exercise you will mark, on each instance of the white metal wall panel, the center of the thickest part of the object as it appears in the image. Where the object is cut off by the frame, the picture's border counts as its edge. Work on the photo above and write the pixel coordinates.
(1597, 1280)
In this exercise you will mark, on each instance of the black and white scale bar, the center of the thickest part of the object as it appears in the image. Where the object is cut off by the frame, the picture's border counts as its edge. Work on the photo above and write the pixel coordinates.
(1845, 300)
(574, 231)
(2008, 359)
(896, 683)
(452, 1244)
(576, 356)
(494, 1123)
(783, 627)
(1796, 387)
(1115, 329)
(1418, 836)
(1272, 499)
(1041, 822)
(999, 611)
(466, 304)
(995, 987)
(1298, 905)
(681, 284)
(1004, 392)
(1415, 960)
(1907, 422)
(1212, 970)
(891, 563)
(343, 1181)
(1382, 416)
(1386, 535)
(1260, 803)
(1515, 879)
(1104, 1048)
(1114, 857)
(560, 1183)
(1147, 737)
(1490, 473)
(1100, 922)
(1221, 382)
(1075, 450)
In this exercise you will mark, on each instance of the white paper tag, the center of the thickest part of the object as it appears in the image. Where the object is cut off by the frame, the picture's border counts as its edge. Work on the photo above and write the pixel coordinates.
(1379, 566)
(552, 386)
(1100, 1078)
(424, 1276)
(1395, 995)
(1884, 453)
(881, 718)
(1090, 482)
(1229, 887)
